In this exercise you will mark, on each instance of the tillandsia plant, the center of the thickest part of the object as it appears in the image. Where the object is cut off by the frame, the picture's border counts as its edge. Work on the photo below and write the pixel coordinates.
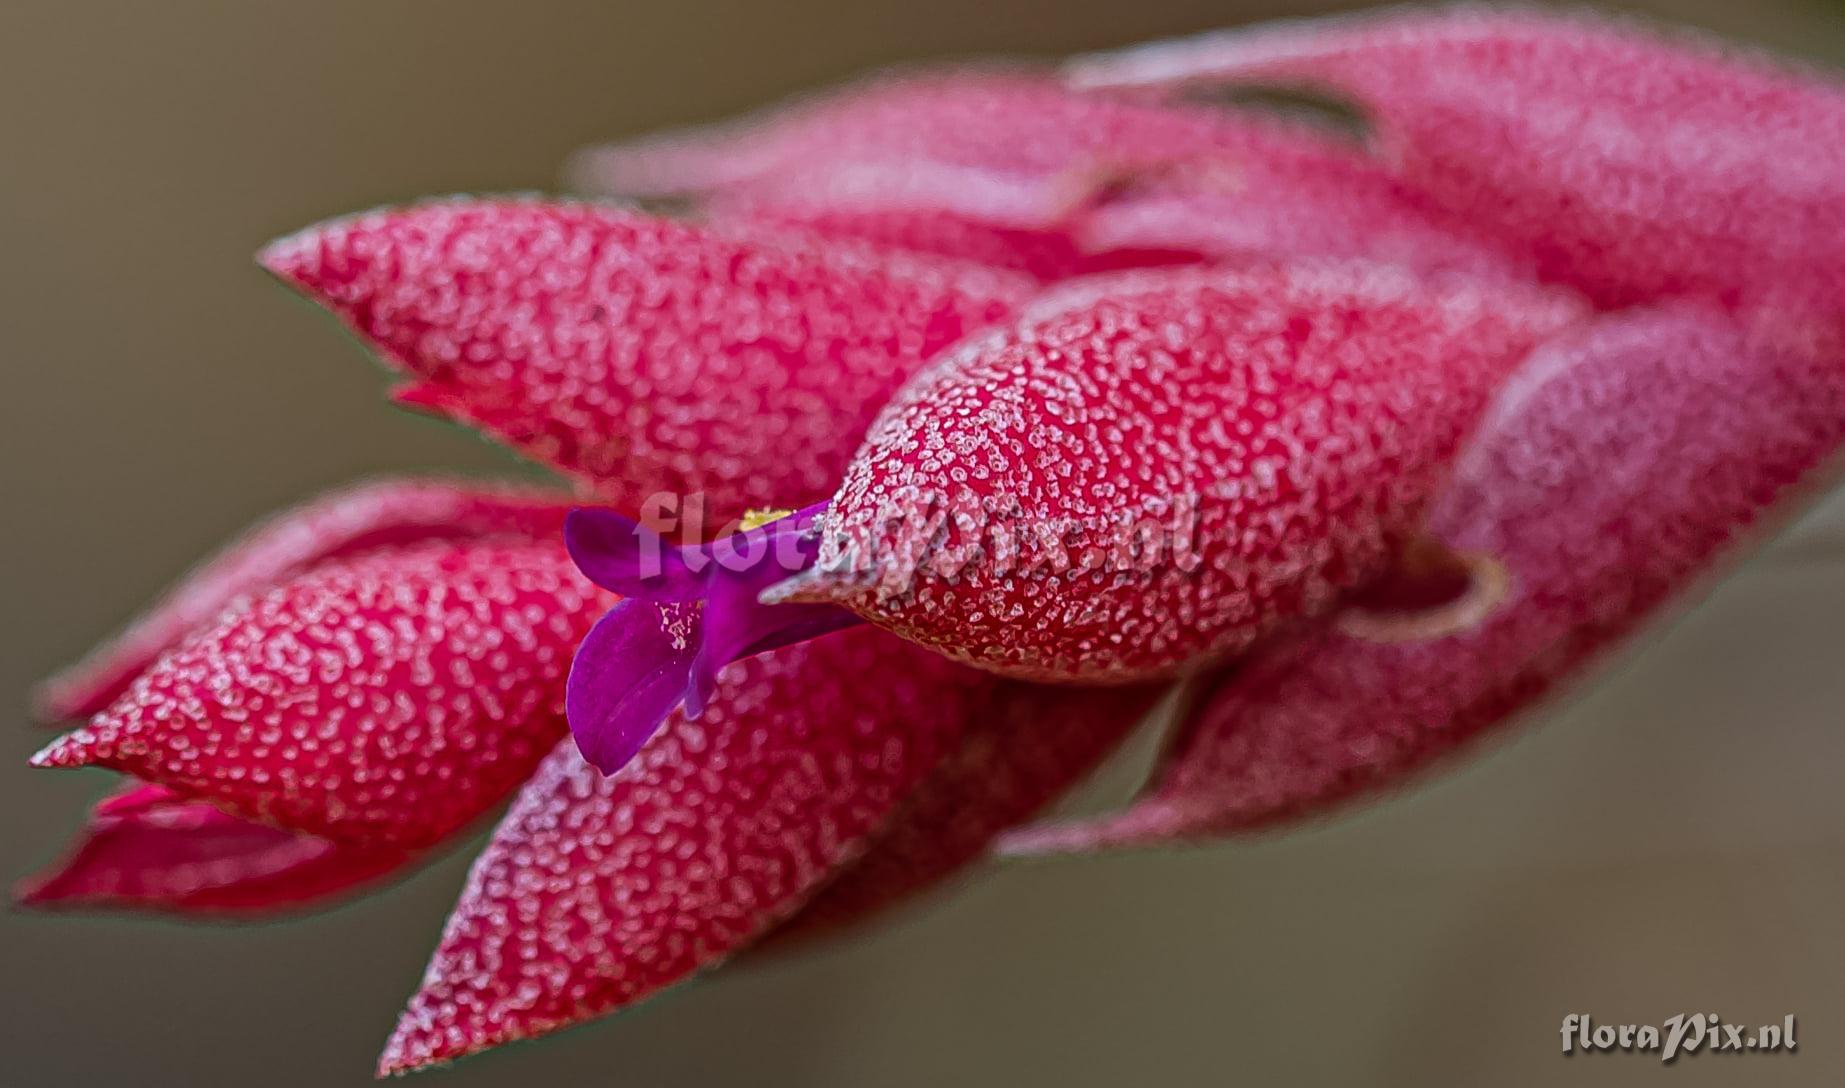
(965, 414)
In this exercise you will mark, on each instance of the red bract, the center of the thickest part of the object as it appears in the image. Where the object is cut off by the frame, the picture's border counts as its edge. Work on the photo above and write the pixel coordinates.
(1019, 756)
(1013, 149)
(1018, 172)
(1280, 460)
(1153, 470)
(154, 848)
(387, 699)
(1297, 197)
(642, 355)
(362, 518)
(596, 891)
(1047, 254)
(1627, 162)
(148, 848)
(1628, 459)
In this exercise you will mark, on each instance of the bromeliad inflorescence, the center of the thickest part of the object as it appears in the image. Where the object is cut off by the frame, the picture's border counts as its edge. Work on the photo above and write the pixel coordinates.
(1058, 388)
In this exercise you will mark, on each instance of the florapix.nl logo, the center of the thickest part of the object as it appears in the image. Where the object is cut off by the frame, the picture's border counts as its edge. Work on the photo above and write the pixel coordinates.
(1677, 1036)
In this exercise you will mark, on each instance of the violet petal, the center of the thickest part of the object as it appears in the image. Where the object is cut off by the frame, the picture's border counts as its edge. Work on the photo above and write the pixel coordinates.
(738, 625)
(622, 555)
(688, 613)
(630, 673)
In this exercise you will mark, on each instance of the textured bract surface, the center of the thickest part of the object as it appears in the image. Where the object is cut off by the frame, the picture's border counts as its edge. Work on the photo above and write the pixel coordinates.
(388, 699)
(1029, 749)
(1627, 460)
(147, 848)
(1012, 149)
(1632, 164)
(1154, 469)
(1288, 194)
(1250, 432)
(1018, 172)
(364, 517)
(1044, 253)
(597, 891)
(642, 355)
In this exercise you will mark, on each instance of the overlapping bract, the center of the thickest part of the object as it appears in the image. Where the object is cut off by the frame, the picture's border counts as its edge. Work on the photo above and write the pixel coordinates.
(1157, 470)
(147, 848)
(1025, 752)
(347, 688)
(351, 521)
(1630, 457)
(180, 695)
(644, 356)
(387, 699)
(317, 734)
(1631, 164)
(596, 891)
(1012, 170)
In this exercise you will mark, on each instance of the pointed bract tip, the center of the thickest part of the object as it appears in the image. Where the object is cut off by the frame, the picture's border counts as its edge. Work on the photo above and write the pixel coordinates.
(288, 258)
(1044, 840)
(814, 585)
(32, 892)
(77, 749)
(418, 1043)
(1148, 823)
(56, 888)
(391, 1063)
(425, 398)
(319, 258)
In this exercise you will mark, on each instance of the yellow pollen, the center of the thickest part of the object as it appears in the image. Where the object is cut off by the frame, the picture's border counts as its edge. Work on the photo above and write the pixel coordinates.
(756, 519)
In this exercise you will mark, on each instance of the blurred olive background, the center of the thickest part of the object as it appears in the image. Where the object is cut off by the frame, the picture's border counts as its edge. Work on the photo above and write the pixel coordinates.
(1669, 842)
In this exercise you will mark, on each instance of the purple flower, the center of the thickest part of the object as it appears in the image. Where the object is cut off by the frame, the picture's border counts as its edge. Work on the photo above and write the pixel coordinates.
(685, 613)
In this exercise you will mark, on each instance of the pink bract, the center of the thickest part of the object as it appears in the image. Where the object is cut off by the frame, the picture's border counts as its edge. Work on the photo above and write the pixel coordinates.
(1631, 163)
(351, 521)
(147, 848)
(1154, 470)
(643, 356)
(1011, 170)
(1331, 427)
(388, 699)
(596, 891)
(1627, 460)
